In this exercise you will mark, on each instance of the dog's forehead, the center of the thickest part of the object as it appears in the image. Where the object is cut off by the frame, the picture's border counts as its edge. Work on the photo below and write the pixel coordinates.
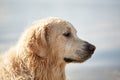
(71, 28)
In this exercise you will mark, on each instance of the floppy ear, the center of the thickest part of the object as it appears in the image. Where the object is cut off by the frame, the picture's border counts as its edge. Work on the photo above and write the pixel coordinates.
(34, 40)
(42, 41)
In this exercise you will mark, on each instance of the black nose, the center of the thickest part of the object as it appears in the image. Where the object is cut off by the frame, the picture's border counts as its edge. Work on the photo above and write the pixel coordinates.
(89, 47)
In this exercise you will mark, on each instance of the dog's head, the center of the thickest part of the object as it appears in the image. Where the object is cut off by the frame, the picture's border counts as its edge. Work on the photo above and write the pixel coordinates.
(57, 38)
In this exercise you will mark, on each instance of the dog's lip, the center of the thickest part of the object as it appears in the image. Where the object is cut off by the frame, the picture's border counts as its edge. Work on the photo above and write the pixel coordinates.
(68, 60)
(77, 60)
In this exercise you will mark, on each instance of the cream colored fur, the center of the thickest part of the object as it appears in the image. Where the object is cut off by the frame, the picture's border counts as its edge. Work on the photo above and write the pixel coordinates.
(40, 52)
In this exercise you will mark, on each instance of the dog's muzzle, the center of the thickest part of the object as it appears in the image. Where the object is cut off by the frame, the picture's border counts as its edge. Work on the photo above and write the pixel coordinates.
(86, 53)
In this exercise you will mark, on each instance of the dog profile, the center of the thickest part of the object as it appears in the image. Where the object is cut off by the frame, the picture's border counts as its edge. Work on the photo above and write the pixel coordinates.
(43, 51)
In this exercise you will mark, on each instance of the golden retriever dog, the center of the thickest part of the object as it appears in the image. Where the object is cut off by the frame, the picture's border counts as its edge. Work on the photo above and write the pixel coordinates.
(43, 51)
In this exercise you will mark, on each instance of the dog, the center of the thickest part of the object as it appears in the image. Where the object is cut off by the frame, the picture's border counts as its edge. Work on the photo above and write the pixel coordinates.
(43, 51)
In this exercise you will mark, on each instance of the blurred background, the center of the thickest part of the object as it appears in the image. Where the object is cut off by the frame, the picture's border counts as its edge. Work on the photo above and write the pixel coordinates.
(97, 21)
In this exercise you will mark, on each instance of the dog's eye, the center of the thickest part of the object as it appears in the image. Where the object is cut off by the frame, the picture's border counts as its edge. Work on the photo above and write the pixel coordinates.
(67, 34)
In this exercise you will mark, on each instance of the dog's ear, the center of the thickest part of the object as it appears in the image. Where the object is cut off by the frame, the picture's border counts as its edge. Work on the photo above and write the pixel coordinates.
(42, 40)
(35, 40)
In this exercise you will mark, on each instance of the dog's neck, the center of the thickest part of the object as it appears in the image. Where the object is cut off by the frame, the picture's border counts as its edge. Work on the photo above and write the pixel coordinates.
(44, 68)
(50, 69)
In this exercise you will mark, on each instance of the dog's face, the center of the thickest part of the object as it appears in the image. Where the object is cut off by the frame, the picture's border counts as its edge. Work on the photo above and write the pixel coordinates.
(57, 38)
(64, 43)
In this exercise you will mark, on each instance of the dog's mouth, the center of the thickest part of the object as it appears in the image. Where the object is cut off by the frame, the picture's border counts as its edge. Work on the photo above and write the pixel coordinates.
(69, 60)
(79, 60)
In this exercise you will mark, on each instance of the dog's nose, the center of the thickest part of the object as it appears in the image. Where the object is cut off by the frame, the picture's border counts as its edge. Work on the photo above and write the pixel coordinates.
(89, 47)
